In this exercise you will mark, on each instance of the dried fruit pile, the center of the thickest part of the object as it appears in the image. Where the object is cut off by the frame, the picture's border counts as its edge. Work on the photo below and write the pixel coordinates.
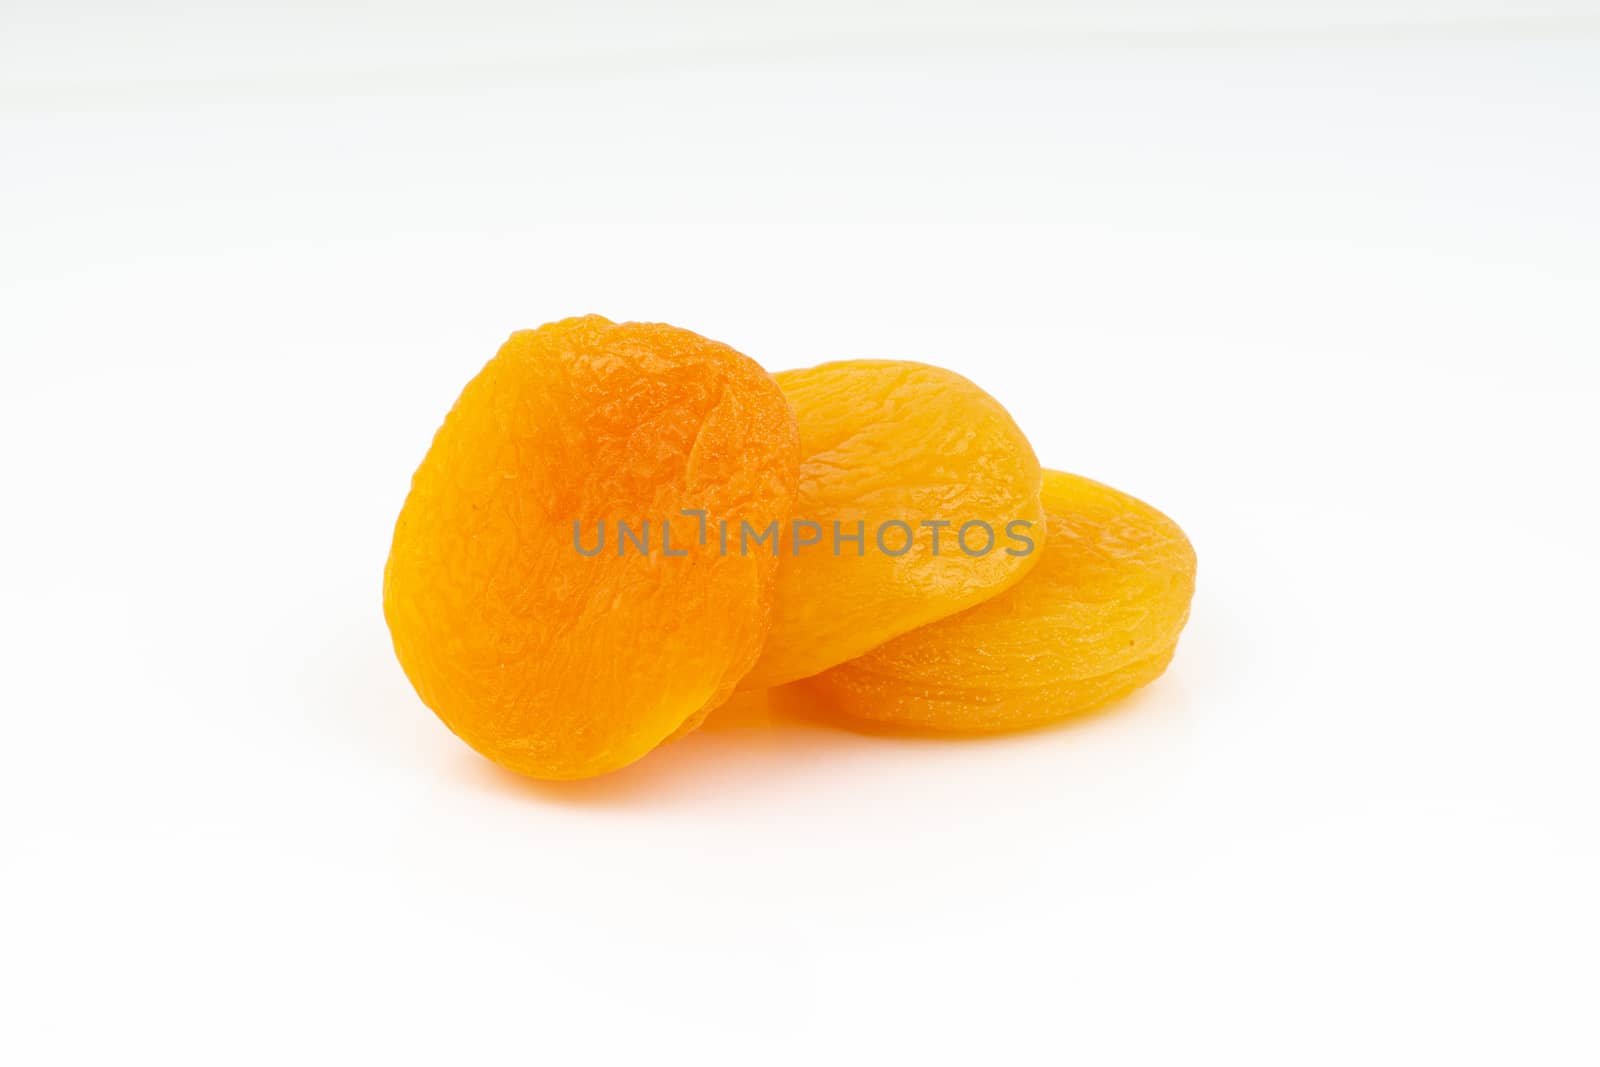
(619, 525)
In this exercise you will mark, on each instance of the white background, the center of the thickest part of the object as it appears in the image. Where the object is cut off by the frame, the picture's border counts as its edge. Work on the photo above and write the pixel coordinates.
(1320, 280)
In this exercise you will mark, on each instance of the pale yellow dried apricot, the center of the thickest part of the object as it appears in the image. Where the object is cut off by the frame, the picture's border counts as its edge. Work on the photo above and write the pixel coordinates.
(547, 646)
(919, 497)
(1097, 618)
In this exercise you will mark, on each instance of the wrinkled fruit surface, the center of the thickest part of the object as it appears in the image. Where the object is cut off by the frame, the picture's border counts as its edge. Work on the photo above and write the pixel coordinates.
(561, 665)
(1096, 619)
(884, 442)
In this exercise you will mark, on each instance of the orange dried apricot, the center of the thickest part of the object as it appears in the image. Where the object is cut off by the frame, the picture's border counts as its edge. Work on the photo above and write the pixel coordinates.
(1096, 619)
(556, 662)
(920, 492)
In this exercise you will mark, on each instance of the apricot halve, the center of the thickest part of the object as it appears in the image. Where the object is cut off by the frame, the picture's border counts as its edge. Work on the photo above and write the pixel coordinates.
(917, 494)
(549, 655)
(1096, 619)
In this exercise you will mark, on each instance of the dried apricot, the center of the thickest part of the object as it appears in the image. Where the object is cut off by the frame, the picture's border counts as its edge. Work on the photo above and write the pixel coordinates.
(1096, 619)
(917, 492)
(544, 653)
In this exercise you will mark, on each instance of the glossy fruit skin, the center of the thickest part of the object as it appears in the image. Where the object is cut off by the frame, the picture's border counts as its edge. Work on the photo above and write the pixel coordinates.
(560, 665)
(884, 440)
(1096, 619)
